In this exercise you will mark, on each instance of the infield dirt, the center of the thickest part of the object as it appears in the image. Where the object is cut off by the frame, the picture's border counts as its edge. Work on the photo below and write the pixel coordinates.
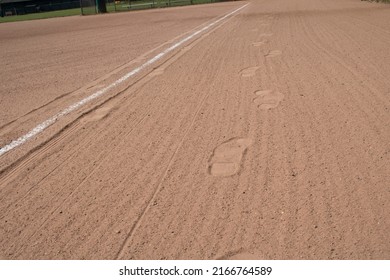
(264, 137)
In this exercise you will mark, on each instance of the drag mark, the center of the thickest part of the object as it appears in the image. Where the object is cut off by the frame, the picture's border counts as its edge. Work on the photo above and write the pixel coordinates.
(125, 244)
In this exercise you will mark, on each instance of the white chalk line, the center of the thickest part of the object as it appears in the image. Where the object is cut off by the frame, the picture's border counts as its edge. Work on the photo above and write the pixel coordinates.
(42, 126)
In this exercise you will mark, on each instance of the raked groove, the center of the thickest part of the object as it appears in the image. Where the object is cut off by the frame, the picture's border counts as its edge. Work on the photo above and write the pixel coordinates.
(42, 126)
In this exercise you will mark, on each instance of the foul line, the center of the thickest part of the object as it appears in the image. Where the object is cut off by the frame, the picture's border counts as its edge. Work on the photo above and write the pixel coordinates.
(42, 126)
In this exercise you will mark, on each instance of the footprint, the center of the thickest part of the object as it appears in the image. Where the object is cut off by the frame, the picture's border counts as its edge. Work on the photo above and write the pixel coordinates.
(187, 48)
(268, 99)
(259, 44)
(249, 72)
(97, 115)
(157, 72)
(273, 53)
(226, 158)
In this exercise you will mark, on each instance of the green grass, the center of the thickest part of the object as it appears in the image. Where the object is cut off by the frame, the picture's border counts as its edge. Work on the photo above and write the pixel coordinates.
(61, 13)
(123, 6)
(147, 4)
